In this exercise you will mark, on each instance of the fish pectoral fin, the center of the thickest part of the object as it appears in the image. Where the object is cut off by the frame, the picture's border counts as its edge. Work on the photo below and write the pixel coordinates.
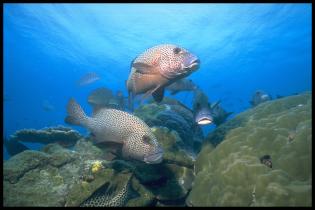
(130, 100)
(144, 68)
(146, 95)
(150, 92)
(111, 189)
(158, 94)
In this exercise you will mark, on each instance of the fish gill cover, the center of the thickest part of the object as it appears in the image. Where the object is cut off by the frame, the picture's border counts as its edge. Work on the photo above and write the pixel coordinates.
(54, 52)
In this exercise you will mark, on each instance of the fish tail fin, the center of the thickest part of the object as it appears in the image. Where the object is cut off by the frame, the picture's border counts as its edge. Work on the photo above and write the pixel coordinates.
(76, 115)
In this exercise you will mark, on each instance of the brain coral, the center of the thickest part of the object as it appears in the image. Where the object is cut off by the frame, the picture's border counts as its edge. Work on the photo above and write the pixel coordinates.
(231, 174)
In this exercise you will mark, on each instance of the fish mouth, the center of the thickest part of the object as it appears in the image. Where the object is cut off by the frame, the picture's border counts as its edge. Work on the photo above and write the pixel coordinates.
(265, 96)
(203, 118)
(204, 121)
(194, 65)
(154, 158)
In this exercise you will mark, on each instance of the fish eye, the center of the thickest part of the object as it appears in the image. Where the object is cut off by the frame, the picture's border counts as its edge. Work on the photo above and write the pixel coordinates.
(176, 50)
(146, 139)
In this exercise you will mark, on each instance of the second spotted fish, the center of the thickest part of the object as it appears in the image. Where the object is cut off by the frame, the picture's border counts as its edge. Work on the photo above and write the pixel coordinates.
(158, 67)
(111, 125)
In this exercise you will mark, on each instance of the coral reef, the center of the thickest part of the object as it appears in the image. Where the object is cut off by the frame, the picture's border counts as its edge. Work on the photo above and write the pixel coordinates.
(173, 153)
(231, 174)
(57, 176)
(22, 163)
(175, 117)
(262, 157)
(96, 166)
(36, 178)
(111, 194)
(61, 135)
(171, 180)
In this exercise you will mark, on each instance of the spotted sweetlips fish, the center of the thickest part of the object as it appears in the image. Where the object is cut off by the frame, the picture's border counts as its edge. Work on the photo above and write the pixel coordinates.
(158, 67)
(112, 125)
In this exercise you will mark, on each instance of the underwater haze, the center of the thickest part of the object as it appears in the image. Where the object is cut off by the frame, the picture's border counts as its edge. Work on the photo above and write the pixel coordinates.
(182, 104)
(242, 48)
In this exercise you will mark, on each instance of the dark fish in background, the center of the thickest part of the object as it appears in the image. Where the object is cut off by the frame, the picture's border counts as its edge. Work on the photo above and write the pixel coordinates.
(104, 98)
(158, 67)
(259, 97)
(266, 159)
(171, 101)
(47, 106)
(201, 108)
(218, 113)
(88, 79)
(14, 147)
(118, 101)
(100, 98)
(181, 85)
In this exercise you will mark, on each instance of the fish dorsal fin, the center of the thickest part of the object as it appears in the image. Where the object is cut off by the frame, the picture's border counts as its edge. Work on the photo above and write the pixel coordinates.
(215, 104)
(158, 94)
(144, 68)
(228, 114)
(97, 109)
(131, 63)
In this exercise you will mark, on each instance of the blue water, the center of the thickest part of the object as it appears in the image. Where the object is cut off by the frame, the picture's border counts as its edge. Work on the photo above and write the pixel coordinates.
(242, 48)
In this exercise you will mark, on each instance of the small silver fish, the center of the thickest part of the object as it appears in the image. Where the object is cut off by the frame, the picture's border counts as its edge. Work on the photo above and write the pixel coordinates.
(203, 116)
(259, 97)
(88, 79)
(201, 108)
(111, 125)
